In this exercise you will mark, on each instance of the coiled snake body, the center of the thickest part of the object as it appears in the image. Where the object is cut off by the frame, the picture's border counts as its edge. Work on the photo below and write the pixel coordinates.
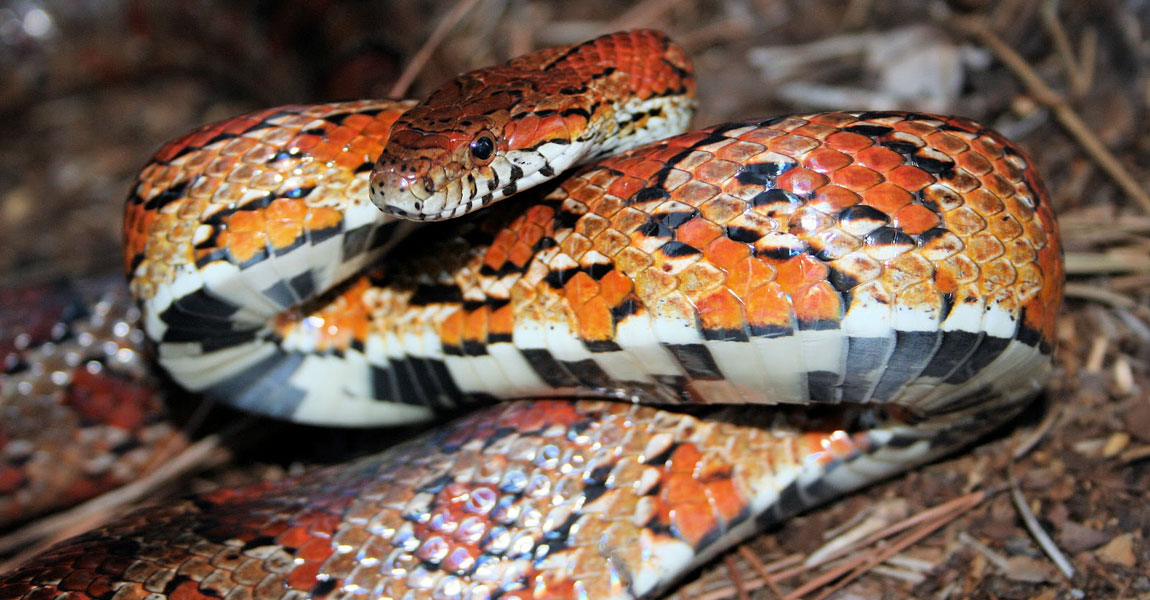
(897, 272)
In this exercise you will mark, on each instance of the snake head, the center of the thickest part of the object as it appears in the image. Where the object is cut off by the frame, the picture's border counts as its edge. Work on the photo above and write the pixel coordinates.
(473, 143)
(428, 173)
(491, 133)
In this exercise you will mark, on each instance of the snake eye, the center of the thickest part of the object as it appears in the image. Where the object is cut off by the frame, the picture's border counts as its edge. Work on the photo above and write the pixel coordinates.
(483, 147)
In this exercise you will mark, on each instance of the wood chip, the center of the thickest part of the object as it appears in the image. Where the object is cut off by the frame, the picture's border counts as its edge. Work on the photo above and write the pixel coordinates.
(1120, 551)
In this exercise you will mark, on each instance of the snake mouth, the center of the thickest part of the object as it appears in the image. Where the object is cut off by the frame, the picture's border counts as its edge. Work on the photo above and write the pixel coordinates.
(404, 190)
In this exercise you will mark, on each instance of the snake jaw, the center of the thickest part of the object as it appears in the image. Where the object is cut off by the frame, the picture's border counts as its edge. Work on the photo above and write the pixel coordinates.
(403, 189)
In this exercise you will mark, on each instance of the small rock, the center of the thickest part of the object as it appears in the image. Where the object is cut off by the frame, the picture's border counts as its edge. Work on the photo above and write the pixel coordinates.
(1091, 448)
(1115, 444)
(1074, 537)
(1030, 570)
(1120, 551)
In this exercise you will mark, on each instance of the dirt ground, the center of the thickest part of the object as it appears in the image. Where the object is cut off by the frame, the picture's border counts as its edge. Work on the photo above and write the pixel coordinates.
(91, 88)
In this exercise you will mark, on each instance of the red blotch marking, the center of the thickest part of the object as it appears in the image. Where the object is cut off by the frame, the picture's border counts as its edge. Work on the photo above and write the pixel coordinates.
(824, 160)
(801, 181)
(910, 178)
(878, 158)
(848, 142)
(99, 398)
(856, 178)
(887, 197)
(915, 219)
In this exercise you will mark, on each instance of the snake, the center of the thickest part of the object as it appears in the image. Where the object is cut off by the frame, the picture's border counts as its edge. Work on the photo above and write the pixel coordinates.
(702, 333)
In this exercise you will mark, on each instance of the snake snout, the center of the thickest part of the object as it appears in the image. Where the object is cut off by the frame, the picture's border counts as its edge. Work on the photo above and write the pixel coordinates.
(402, 189)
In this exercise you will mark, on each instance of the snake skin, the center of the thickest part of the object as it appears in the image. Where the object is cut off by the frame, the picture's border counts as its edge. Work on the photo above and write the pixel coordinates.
(81, 412)
(893, 275)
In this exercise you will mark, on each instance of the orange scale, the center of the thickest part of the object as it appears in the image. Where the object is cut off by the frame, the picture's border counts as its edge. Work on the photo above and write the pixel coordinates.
(987, 147)
(801, 181)
(815, 130)
(325, 151)
(594, 320)
(381, 128)
(294, 536)
(887, 197)
(614, 287)
(826, 159)
(647, 168)
(520, 254)
(282, 233)
(915, 219)
(693, 522)
(837, 120)
(190, 590)
(800, 271)
(541, 414)
(579, 289)
(341, 135)
(945, 280)
(724, 497)
(848, 142)
(303, 142)
(322, 217)
(496, 255)
(910, 178)
(856, 178)
(819, 302)
(832, 199)
(364, 146)
(684, 459)
(244, 246)
(878, 158)
(748, 275)
(348, 161)
(303, 577)
(680, 488)
(698, 232)
(998, 184)
(475, 325)
(315, 549)
(793, 145)
(451, 329)
(915, 127)
(769, 306)
(540, 215)
(725, 253)
(357, 121)
(721, 310)
(625, 187)
(574, 124)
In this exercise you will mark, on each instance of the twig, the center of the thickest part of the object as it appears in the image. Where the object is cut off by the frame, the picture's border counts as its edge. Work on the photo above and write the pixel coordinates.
(997, 559)
(196, 456)
(977, 28)
(1079, 85)
(1048, 546)
(958, 506)
(1092, 263)
(761, 569)
(736, 579)
(450, 20)
(874, 558)
(1038, 434)
(1105, 296)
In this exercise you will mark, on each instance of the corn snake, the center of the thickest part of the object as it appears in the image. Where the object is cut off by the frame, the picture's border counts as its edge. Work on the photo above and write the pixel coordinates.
(901, 271)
